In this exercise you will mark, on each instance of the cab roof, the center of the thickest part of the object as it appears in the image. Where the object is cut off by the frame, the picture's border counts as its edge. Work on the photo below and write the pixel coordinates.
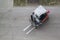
(39, 10)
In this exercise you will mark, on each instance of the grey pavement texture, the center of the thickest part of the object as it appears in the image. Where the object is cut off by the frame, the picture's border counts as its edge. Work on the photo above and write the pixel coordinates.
(15, 20)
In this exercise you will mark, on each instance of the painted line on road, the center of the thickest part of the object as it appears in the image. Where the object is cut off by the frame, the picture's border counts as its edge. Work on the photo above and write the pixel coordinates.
(30, 30)
(27, 27)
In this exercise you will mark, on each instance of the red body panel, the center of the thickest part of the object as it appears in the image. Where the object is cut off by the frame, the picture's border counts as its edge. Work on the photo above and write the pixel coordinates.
(46, 17)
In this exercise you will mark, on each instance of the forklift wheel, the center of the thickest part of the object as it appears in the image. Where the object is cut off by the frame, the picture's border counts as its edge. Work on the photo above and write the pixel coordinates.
(35, 27)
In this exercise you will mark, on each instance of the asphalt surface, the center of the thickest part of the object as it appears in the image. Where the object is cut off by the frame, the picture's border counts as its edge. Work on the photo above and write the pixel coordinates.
(15, 20)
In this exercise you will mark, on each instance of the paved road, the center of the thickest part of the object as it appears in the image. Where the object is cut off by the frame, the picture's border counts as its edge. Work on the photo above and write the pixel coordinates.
(14, 21)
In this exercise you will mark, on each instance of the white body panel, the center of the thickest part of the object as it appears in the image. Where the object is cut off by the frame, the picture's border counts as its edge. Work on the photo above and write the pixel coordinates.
(40, 10)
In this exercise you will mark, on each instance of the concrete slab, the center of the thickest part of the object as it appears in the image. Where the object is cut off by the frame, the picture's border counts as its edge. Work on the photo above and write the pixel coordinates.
(14, 21)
